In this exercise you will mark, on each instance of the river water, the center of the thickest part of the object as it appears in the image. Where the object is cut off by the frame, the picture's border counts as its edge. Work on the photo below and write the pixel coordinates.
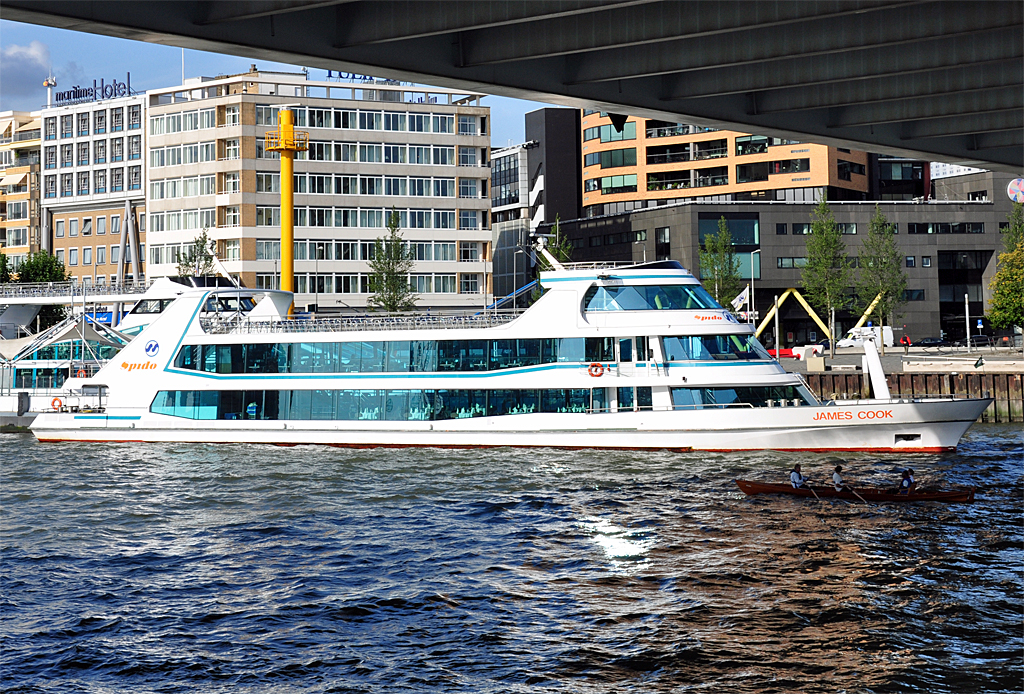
(240, 568)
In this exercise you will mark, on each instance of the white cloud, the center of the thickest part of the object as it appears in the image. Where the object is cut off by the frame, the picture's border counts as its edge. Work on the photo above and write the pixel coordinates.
(23, 69)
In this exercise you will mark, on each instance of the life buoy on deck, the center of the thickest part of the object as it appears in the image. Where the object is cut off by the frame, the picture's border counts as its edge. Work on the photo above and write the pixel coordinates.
(81, 373)
(57, 404)
(596, 370)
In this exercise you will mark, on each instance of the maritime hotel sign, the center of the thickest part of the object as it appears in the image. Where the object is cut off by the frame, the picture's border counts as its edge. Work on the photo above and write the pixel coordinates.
(97, 92)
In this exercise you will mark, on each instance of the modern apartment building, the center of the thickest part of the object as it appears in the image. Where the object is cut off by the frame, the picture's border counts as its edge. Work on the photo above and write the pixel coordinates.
(19, 185)
(650, 162)
(374, 147)
(950, 246)
(93, 183)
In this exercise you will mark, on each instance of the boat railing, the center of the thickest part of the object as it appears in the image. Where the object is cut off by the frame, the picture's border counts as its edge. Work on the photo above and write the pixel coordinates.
(598, 265)
(30, 290)
(361, 323)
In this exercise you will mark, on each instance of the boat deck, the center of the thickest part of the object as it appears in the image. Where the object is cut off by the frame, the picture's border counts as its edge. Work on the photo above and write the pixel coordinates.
(240, 325)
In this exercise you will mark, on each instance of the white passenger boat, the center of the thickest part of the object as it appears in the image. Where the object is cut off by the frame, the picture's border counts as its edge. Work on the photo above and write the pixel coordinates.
(637, 357)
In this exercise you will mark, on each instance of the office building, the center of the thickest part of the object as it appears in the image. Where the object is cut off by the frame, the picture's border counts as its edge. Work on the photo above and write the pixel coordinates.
(93, 182)
(374, 147)
(19, 185)
(943, 170)
(533, 184)
(649, 163)
(950, 246)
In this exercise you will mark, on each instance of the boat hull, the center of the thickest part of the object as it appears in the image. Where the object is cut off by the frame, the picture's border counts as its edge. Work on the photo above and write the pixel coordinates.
(907, 427)
(750, 488)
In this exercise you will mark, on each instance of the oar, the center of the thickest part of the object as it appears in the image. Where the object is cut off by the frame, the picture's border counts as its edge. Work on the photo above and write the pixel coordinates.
(812, 491)
(858, 495)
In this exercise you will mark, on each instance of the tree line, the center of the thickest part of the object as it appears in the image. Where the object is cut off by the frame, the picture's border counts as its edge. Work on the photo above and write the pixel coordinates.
(832, 281)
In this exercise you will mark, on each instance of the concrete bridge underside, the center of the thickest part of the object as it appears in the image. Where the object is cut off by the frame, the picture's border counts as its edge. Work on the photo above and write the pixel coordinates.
(923, 78)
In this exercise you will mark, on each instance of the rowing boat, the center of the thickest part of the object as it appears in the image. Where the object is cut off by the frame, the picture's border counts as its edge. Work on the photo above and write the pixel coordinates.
(866, 494)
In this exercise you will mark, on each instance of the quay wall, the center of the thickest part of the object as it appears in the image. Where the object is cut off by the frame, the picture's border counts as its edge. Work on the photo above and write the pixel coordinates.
(1006, 388)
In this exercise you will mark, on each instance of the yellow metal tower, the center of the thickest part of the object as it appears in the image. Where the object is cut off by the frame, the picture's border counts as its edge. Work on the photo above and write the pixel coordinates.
(287, 141)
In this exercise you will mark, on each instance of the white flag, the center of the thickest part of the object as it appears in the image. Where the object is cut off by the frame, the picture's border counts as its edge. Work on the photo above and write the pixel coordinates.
(741, 299)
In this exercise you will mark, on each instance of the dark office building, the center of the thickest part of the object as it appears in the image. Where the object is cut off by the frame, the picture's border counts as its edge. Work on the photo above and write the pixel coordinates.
(950, 246)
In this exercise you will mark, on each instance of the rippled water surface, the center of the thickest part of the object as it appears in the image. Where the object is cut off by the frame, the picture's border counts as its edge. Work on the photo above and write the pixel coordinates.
(193, 568)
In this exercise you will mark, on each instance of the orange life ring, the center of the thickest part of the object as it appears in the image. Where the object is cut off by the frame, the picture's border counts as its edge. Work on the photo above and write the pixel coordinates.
(596, 370)
(57, 404)
(81, 373)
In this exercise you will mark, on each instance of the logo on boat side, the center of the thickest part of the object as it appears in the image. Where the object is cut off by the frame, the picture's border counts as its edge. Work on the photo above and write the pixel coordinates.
(137, 366)
(842, 415)
(152, 348)
(709, 318)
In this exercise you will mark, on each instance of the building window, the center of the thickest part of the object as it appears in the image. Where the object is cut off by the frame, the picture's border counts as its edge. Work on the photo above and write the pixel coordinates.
(910, 261)
(134, 117)
(50, 186)
(67, 125)
(467, 125)
(231, 216)
(99, 122)
(232, 250)
(117, 149)
(913, 295)
(135, 147)
(845, 168)
(116, 120)
(231, 149)
(67, 155)
(469, 284)
(231, 183)
(50, 128)
(847, 227)
(467, 188)
(134, 178)
(99, 181)
(101, 255)
(99, 152)
(72, 256)
(926, 261)
(231, 115)
(67, 185)
(83, 124)
(116, 180)
(780, 229)
(787, 263)
(87, 255)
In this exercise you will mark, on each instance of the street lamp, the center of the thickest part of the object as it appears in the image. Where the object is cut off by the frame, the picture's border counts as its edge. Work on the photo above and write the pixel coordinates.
(753, 306)
(644, 242)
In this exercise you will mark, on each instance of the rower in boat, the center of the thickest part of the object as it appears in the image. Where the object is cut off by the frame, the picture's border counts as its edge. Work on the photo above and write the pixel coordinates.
(863, 494)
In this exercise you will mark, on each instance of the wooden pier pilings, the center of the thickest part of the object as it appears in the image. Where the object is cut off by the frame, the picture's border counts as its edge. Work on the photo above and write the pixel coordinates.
(1006, 388)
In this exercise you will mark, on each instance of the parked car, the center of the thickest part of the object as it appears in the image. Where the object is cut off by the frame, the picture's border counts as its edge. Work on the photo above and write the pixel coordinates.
(976, 341)
(783, 354)
(931, 342)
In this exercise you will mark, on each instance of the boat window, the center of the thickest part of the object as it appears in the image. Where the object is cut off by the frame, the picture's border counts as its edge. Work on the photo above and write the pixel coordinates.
(395, 357)
(390, 405)
(648, 298)
(714, 348)
(222, 304)
(739, 396)
(152, 306)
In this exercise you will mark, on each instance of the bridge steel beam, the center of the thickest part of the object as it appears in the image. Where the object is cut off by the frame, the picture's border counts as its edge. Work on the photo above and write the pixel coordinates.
(920, 78)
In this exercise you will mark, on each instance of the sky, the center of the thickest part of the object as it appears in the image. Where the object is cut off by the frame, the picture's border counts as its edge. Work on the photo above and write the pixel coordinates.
(28, 52)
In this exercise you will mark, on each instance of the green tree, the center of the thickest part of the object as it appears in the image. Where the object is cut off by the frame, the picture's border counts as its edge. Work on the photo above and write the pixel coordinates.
(1014, 233)
(198, 262)
(5, 269)
(826, 277)
(881, 271)
(389, 271)
(558, 245)
(1006, 307)
(719, 266)
(44, 267)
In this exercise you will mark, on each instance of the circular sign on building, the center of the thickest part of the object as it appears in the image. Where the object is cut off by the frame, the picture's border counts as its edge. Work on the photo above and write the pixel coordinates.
(1015, 189)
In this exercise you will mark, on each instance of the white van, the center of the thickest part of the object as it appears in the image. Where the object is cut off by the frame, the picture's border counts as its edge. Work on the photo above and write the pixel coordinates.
(856, 337)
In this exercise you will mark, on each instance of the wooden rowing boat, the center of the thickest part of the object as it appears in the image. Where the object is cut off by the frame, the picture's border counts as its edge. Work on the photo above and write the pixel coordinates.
(866, 494)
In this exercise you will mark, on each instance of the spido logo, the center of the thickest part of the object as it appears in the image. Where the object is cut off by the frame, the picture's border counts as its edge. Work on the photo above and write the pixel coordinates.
(152, 349)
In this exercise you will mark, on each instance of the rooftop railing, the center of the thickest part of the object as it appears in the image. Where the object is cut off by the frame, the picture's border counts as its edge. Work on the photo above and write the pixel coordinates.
(49, 289)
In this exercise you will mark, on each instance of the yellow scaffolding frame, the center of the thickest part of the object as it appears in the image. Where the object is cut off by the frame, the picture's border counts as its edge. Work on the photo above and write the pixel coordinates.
(785, 295)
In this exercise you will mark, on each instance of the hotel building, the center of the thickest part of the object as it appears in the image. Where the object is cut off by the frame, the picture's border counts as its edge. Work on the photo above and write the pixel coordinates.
(93, 156)
(19, 185)
(374, 147)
